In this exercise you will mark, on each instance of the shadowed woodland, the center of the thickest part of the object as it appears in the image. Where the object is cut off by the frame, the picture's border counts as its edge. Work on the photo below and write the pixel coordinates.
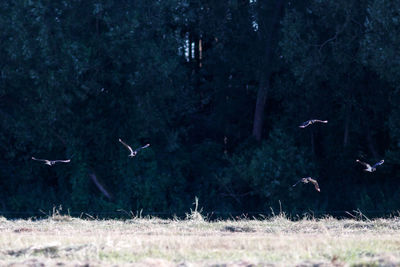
(218, 88)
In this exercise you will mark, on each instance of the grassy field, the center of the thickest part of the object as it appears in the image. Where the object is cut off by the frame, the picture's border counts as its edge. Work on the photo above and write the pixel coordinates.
(277, 241)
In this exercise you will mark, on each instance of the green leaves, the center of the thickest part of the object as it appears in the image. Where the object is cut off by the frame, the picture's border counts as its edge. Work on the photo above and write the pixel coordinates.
(183, 76)
(269, 171)
(382, 36)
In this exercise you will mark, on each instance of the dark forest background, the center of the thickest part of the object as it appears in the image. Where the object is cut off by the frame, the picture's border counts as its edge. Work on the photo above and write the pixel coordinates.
(218, 88)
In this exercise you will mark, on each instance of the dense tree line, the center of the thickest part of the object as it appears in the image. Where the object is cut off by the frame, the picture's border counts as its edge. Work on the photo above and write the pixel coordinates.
(218, 88)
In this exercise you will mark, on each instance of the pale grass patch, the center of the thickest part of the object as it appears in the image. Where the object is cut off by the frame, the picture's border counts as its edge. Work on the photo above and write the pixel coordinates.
(198, 242)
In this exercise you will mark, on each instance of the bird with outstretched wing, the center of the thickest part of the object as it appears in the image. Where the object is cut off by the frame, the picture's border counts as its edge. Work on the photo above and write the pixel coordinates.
(52, 162)
(132, 152)
(309, 122)
(369, 168)
(309, 180)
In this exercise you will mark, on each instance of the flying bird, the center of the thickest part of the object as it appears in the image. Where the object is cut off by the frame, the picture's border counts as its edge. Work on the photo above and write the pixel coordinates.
(52, 162)
(368, 167)
(133, 152)
(309, 180)
(309, 122)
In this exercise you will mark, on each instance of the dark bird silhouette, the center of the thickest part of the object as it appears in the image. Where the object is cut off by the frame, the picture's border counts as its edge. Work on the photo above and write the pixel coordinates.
(306, 123)
(309, 180)
(368, 167)
(133, 152)
(52, 162)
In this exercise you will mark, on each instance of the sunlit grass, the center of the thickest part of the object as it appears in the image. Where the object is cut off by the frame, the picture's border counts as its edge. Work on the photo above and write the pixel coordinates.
(195, 241)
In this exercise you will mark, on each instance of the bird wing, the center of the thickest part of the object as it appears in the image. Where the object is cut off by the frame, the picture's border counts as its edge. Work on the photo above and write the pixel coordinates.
(99, 185)
(62, 160)
(142, 147)
(44, 160)
(126, 145)
(297, 182)
(363, 163)
(315, 183)
(305, 124)
(321, 121)
(378, 163)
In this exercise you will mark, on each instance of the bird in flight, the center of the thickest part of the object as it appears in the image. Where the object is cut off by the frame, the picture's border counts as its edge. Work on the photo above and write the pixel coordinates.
(309, 180)
(309, 122)
(368, 167)
(52, 162)
(133, 152)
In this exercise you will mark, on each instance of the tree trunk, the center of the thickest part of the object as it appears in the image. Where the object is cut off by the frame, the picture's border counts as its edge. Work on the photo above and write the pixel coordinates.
(258, 121)
(370, 143)
(312, 143)
(346, 124)
(267, 33)
(196, 44)
(190, 47)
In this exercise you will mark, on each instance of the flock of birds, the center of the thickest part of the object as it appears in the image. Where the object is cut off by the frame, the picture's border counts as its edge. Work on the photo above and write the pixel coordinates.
(306, 180)
(132, 154)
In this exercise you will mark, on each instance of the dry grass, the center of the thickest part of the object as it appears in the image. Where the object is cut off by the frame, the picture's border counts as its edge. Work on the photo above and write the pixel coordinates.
(62, 240)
